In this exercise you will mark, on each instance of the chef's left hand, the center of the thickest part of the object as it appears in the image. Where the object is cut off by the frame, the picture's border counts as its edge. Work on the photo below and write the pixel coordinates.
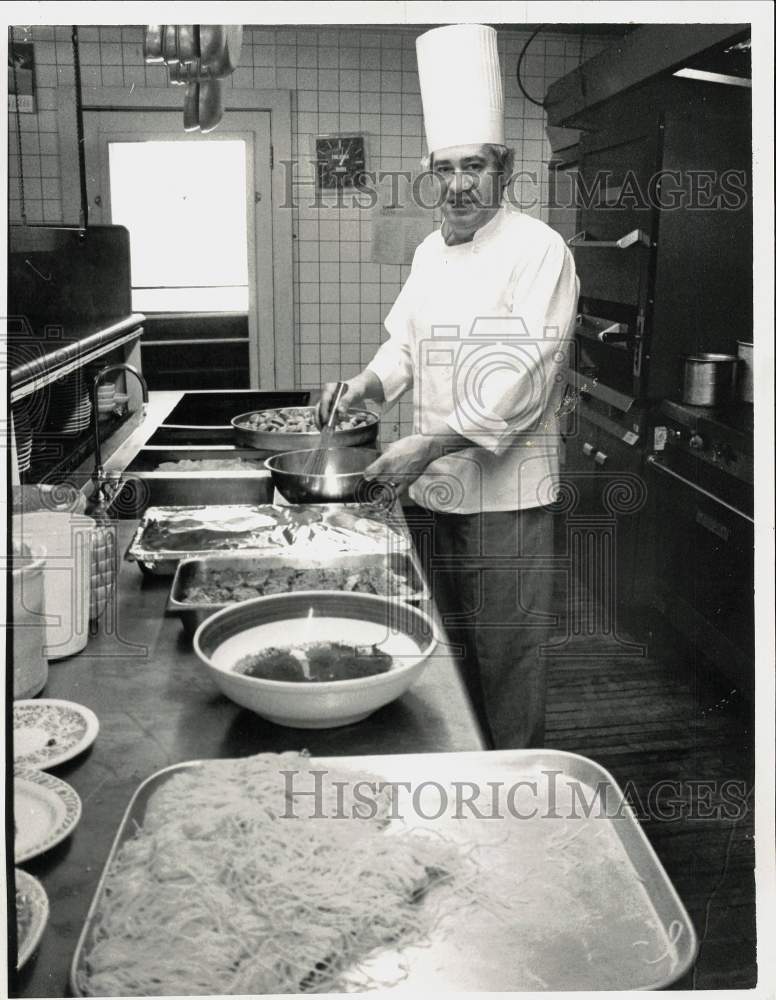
(403, 461)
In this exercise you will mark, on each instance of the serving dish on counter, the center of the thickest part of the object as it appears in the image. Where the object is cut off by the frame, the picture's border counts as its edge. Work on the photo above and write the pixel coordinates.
(243, 577)
(580, 900)
(32, 912)
(49, 731)
(166, 535)
(46, 810)
(370, 651)
(246, 430)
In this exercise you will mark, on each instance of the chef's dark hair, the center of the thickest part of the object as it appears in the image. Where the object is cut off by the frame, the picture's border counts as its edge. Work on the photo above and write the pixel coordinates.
(503, 156)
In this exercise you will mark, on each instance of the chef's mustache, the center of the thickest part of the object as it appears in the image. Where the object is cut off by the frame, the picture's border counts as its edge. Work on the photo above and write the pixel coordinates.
(472, 199)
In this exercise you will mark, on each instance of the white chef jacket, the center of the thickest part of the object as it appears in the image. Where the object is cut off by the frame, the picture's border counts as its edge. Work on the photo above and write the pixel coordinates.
(481, 332)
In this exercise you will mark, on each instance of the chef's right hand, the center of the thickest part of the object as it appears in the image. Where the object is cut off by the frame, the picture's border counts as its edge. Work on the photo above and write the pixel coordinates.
(349, 398)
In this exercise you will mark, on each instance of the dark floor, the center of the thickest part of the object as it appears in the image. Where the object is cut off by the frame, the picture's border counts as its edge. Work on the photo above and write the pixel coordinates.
(666, 718)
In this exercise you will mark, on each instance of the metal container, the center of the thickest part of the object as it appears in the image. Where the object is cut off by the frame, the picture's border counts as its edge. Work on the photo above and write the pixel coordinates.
(588, 904)
(167, 535)
(746, 371)
(278, 441)
(709, 379)
(148, 485)
(67, 575)
(30, 665)
(333, 475)
(192, 614)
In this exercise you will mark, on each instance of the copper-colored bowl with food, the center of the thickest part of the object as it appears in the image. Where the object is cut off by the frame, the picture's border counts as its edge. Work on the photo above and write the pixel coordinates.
(289, 428)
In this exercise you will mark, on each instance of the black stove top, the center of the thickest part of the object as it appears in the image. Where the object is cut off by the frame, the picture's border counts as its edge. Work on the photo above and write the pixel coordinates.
(730, 424)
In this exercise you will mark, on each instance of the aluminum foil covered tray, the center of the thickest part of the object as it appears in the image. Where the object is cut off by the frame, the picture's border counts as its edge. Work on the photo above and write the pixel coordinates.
(166, 535)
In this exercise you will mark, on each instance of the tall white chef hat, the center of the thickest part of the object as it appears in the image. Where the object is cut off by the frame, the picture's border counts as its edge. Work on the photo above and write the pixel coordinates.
(460, 86)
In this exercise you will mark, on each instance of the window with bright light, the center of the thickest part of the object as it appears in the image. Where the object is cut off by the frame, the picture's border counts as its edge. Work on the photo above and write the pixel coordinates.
(184, 205)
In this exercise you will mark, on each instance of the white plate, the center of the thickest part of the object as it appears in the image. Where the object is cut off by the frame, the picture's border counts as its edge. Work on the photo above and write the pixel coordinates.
(48, 731)
(32, 910)
(46, 810)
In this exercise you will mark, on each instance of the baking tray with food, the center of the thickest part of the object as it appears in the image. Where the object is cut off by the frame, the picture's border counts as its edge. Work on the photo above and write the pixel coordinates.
(515, 870)
(166, 535)
(293, 427)
(205, 584)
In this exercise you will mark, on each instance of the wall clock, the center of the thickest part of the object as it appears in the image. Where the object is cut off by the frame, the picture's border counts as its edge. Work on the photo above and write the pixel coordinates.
(340, 160)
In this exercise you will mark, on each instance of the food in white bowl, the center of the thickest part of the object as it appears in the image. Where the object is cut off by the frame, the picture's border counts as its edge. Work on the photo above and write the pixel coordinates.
(316, 659)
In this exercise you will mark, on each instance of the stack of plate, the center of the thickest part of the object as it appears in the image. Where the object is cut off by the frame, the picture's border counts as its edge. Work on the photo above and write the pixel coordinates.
(23, 429)
(106, 398)
(71, 407)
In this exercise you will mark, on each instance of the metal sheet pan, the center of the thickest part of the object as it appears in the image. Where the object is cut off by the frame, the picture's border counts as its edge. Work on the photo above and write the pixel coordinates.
(320, 530)
(591, 907)
(192, 614)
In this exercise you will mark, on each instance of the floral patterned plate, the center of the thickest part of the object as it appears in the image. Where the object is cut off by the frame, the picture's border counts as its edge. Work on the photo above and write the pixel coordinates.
(47, 731)
(46, 809)
(32, 910)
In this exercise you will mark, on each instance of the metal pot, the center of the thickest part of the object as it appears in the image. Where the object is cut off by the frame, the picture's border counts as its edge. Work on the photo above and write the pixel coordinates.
(745, 371)
(330, 476)
(282, 441)
(709, 379)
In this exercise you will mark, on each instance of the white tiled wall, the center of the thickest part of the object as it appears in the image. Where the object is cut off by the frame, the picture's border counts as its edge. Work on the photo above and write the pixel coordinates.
(342, 78)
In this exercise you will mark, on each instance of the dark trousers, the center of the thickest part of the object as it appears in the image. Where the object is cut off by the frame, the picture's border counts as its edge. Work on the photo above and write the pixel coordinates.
(491, 578)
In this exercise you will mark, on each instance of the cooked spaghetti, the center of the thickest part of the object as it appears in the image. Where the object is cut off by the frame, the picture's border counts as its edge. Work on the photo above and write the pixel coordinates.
(234, 886)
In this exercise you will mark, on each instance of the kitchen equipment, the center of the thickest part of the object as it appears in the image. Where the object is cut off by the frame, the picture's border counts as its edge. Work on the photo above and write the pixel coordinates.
(67, 539)
(166, 535)
(589, 905)
(700, 481)
(745, 371)
(317, 461)
(203, 417)
(182, 481)
(650, 236)
(211, 104)
(30, 665)
(709, 379)
(279, 441)
(49, 731)
(220, 46)
(45, 809)
(341, 480)
(399, 629)
(190, 107)
(192, 572)
(32, 912)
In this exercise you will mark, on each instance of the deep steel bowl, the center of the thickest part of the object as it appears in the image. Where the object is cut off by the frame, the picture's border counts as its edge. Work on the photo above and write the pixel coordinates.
(333, 475)
(282, 441)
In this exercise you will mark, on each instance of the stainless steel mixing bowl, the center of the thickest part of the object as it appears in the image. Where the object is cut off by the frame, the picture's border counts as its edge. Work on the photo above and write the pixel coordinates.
(331, 476)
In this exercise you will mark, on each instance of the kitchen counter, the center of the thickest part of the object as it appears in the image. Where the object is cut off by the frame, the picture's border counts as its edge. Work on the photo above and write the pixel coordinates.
(156, 707)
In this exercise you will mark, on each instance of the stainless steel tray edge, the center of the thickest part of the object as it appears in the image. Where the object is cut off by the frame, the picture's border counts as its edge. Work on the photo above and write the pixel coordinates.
(142, 792)
(583, 768)
(192, 614)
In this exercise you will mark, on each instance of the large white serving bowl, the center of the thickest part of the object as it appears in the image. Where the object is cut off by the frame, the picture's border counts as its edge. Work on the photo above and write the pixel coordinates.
(304, 616)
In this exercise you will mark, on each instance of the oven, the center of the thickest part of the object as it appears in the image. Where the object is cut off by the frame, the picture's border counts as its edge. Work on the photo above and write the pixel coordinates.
(663, 248)
(699, 478)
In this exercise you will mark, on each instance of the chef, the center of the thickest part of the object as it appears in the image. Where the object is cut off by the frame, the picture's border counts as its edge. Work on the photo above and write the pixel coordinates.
(480, 332)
